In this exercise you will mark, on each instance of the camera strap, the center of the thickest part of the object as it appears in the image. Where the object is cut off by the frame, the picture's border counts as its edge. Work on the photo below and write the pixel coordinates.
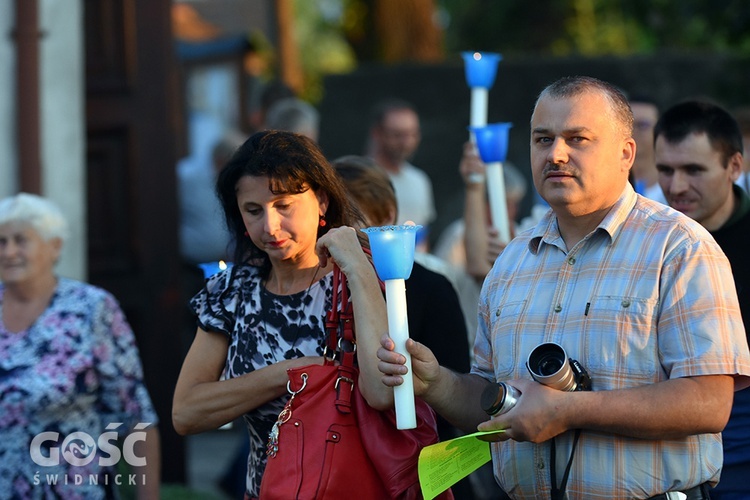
(559, 493)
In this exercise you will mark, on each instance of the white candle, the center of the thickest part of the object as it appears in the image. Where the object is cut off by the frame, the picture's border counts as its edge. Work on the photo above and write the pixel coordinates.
(398, 327)
(479, 99)
(478, 118)
(498, 206)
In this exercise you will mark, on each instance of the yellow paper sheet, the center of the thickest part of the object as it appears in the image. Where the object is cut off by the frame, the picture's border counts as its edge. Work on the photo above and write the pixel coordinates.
(443, 464)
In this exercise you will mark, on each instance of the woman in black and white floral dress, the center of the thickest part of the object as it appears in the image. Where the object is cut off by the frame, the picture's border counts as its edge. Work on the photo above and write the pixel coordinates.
(289, 215)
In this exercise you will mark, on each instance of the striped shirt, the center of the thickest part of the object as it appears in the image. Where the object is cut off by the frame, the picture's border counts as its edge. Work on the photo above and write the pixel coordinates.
(645, 297)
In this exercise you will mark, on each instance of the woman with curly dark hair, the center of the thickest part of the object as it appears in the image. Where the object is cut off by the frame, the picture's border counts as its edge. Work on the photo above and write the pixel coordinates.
(288, 212)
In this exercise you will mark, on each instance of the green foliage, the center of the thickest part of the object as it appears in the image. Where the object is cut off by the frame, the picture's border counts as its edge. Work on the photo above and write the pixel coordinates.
(508, 26)
(170, 492)
(335, 35)
(598, 27)
(323, 48)
(179, 492)
(167, 491)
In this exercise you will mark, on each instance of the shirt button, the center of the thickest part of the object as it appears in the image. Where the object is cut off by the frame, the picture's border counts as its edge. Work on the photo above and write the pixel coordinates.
(625, 303)
(558, 308)
(571, 260)
(497, 313)
(540, 465)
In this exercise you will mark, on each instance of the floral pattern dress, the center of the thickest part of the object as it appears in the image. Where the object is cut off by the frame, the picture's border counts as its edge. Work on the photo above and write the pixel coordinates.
(262, 328)
(75, 375)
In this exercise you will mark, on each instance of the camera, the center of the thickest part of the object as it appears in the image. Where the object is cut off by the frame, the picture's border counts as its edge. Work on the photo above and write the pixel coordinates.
(549, 365)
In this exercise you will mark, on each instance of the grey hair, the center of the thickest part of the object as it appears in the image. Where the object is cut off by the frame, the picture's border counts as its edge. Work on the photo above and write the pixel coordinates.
(571, 86)
(293, 115)
(41, 214)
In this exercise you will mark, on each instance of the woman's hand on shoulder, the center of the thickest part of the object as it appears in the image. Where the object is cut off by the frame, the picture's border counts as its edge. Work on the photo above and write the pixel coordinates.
(341, 245)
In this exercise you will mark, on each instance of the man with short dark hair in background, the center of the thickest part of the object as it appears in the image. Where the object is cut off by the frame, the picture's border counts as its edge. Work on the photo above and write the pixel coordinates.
(699, 158)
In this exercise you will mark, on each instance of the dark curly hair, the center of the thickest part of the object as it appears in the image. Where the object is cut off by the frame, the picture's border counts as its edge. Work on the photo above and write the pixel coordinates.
(293, 164)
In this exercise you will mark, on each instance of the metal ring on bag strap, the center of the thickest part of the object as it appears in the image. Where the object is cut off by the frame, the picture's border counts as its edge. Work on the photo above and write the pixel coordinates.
(332, 356)
(304, 384)
(341, 346)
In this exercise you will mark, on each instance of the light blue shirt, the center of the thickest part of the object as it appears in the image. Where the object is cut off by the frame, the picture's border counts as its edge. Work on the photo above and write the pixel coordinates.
(645, 297)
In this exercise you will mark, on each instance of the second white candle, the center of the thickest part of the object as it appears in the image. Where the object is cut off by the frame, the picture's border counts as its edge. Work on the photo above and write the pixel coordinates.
(398, 328)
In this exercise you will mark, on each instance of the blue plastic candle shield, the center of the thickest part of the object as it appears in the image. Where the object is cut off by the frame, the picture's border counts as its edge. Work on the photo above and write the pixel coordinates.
(211, 268)
(393, 255)
(480, 68)
(393, 250)
(492, 143)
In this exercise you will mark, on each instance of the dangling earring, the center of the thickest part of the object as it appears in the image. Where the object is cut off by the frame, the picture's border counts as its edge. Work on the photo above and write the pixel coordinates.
(322, 221)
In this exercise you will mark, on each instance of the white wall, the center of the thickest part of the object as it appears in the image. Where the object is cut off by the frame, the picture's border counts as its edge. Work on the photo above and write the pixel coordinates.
(63, 132)
(8, 161)
(62, 118)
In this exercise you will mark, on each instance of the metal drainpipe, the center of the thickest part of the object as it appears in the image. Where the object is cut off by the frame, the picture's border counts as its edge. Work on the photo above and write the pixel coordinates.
(27, 87)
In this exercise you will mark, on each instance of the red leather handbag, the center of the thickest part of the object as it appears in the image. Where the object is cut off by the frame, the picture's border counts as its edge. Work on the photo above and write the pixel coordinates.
(329, 443)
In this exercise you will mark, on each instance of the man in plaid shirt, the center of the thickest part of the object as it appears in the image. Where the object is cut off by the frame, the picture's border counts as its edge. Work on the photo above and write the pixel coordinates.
(641, 295)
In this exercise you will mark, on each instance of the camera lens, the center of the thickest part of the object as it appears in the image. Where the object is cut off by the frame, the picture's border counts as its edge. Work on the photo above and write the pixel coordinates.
(548, 364)
(499, 398)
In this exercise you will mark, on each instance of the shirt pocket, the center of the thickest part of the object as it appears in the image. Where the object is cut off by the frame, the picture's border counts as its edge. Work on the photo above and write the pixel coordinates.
(510, 331)
(620, 339)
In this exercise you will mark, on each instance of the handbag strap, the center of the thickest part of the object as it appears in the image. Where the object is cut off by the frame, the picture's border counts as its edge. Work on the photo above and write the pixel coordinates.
(341, 342)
